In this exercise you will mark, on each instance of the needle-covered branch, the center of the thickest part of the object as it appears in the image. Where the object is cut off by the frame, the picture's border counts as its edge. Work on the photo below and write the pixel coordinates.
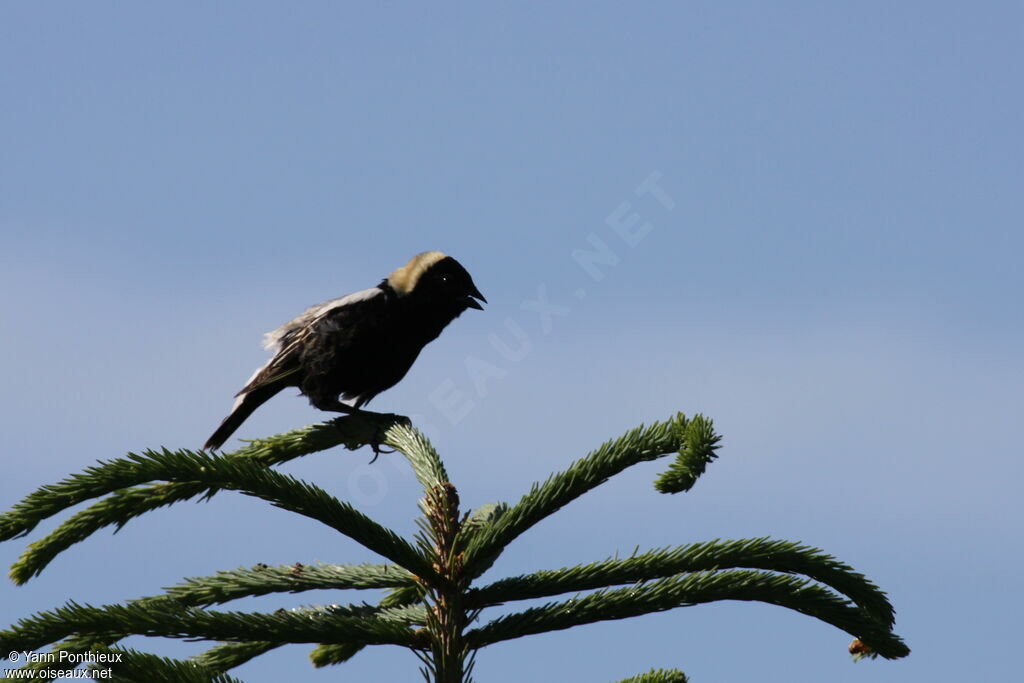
(755, 553)
(327, 654)
(336, 653)
(642, 444)
(74, 646)
(425, 461)
(115, 510)
(123, 505)
(362, 624)
(227, 656)
(143, 667)
(690, 589)
(697, 450)
(233, 584)
(351, 431)
(214, 471)
(216, 660)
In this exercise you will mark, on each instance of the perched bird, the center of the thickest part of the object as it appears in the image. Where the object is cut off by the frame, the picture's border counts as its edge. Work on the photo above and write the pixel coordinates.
(357, 346)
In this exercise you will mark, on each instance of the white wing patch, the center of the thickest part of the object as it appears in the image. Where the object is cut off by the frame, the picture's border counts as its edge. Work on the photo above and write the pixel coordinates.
(272, 340)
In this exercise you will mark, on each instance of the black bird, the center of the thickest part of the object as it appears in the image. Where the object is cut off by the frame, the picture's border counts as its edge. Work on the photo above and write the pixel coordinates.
(359, 345)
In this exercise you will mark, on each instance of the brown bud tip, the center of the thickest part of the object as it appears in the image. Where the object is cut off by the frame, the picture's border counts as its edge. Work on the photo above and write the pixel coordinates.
(859, 649)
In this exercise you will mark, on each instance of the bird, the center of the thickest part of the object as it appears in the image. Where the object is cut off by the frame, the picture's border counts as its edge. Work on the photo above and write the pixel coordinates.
(356, 346)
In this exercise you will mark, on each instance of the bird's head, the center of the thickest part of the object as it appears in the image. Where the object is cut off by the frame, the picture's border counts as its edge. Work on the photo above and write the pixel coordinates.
(439, 279)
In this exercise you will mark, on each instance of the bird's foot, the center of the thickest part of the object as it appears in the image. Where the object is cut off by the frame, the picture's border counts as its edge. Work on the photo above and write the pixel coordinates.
(377, 450)
(367, 428)
(379, 433)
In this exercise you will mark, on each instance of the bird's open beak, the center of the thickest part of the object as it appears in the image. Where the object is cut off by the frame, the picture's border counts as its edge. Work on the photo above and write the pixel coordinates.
(474, 294)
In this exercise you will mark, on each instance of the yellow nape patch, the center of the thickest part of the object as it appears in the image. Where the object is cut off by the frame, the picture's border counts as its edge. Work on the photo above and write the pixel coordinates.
(405, 278)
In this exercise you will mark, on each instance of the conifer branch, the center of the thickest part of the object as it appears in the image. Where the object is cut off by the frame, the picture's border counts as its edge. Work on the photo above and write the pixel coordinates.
(144, 667)
(351, 431)
(214, 472)
(332, 653)
(327, 654)
(698, 449)
(483, 516)
(225, 586)
(76, 645)
(226, 656)
(691, 589)
(755, 553)
(422, 455)
(115, 510)
(122, 506)
(217, 659)
(404, 596)
(360, 623)
(485, 544)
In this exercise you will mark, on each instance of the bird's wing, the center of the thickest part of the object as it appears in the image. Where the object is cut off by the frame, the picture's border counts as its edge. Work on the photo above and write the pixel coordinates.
(279, 338)
(281, 366)
(288, 340)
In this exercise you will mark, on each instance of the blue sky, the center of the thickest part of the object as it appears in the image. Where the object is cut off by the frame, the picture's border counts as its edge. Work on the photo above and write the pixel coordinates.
(832, 272)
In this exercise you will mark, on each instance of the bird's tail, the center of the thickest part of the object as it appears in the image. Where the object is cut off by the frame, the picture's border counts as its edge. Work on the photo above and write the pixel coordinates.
(246, 403)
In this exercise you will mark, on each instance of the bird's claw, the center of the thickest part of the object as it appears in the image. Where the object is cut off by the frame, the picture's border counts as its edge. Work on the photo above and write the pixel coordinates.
(377, 450)
(379, 439)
